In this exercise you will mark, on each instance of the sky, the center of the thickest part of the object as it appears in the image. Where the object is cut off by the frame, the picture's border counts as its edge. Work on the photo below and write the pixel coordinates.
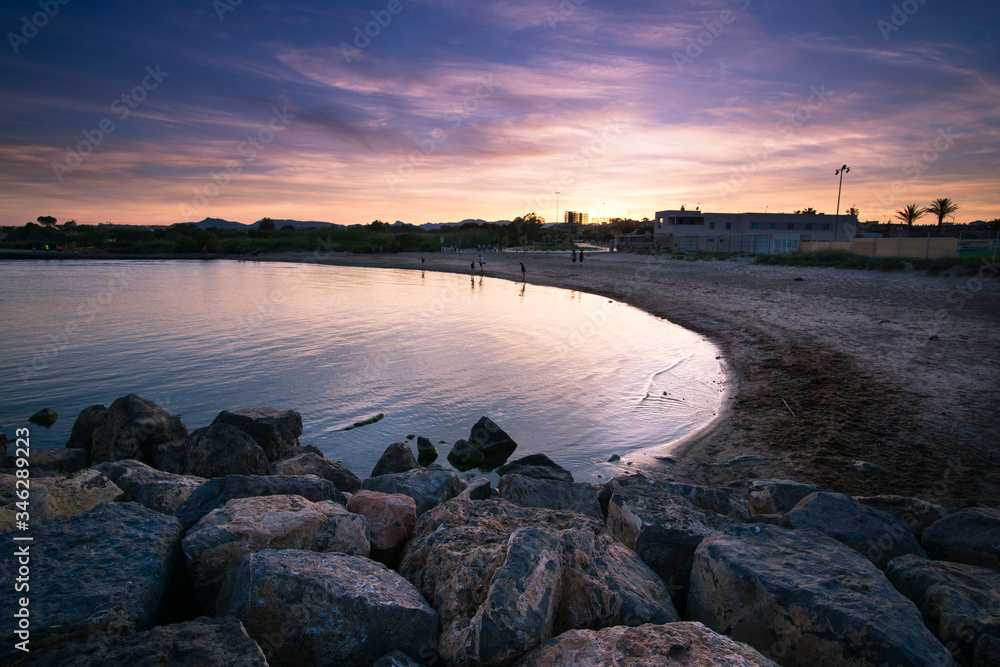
(441, 110)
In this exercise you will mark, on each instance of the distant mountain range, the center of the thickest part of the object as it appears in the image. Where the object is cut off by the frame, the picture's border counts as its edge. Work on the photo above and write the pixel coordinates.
(230, 224)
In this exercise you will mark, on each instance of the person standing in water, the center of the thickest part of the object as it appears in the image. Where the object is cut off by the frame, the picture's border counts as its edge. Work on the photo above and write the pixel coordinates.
(472, 268)
(522, 272)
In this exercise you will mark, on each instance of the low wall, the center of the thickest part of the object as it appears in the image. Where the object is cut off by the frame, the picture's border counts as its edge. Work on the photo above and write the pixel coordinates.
(898, 247)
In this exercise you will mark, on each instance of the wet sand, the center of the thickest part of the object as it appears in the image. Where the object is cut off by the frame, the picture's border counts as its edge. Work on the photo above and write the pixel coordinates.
(827, 366)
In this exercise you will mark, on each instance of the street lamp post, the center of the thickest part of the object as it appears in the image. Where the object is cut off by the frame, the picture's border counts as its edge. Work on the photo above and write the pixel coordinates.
(840, 172)
(557, 207)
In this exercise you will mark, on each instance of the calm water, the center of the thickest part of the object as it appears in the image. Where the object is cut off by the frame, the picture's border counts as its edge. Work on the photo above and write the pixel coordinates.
(572, 375)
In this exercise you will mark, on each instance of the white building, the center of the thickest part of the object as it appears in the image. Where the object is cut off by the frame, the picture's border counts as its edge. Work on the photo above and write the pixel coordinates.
(696, 230)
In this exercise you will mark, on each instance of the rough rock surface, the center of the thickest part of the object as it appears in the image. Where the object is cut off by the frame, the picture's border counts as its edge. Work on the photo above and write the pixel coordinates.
(310, 463)
(917, 514)
(132, 428)
(397, 457)
(802, 598)
(203, 642)
(396, 658)
(82, 435)
(221, 449)
(110, 571)
(728, 502)
(478, 489)
(427, 453)
(429, 488)
(777, 496)
(170, 456)
(61, 460)
(217, 492)
(464, 456)
(391, 516)
(504, 579)
(307, 608)
(960, 603)
(538, 466)
(876, 535)
(3, 443)
(74, 495)
(214, 547)
(551, 494)
(152, 488)
(276, 431)
(45, 417)
(970, 536)
(645, 646)
(662, 528)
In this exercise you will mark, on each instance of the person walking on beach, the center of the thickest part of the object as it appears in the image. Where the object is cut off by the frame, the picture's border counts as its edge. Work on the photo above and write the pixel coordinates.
(581, 255)
(472, 268)
(522, 272)
(574, 256)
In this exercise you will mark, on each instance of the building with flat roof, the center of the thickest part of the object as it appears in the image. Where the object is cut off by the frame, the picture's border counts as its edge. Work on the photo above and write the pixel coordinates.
(576, 217)
(696, 230)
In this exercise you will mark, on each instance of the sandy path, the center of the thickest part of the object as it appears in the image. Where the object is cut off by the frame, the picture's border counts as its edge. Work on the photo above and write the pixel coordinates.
(898, 369)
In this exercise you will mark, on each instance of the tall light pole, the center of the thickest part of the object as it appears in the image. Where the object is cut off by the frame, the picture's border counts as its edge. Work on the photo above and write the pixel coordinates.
(557, 207)
(840, 172)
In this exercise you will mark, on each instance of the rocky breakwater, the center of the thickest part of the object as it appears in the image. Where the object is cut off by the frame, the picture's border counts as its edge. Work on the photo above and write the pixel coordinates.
(235, 543)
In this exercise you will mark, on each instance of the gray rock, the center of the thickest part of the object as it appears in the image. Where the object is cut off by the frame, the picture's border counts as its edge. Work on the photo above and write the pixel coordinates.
(876, 535)
(478, 489)
(217, 492)
(960, 603)
(672, 644)
(971, 536)
(396, 659)
(62, 460)
(214, 547)
(328, 609)
(802, 598)
(152, 488)
(429, 488)
(537, 466)
(464, 456)
(727, 502)
(397, 457)
(45, 417)
(310, 463)
(868, 468)
(82, 435)
(203, 642)
(504, 579)
(276, 431)
(427, 453)
(491, 440)
(662, 528)
(777, 496)
(131, 429)
(170, 456)
(76, 494)
(113, 570)
(917, 514)
(222, 449)
(551, 494)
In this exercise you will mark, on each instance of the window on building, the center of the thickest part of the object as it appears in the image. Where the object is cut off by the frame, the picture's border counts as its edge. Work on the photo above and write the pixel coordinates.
(753, 225)
(729, 225)
(826, 227)
(773, 225)
(791, 225)
(711, 225)
(808, 226)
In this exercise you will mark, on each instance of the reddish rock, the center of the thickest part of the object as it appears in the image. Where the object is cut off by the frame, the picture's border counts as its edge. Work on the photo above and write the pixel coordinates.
(392, 516)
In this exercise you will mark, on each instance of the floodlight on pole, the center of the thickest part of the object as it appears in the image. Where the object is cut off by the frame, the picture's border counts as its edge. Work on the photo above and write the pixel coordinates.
(840, 172)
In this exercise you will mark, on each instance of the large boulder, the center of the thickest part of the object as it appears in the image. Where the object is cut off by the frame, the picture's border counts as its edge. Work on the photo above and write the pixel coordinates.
(214, 547)
(970, 536)
(276, 431)
(152, 488)
(878, 536)
(917, 514)
(307, 608)
(132, 428)
(429, 488)
(802, 598)
(391, 517)
(397, 457)
(725, 501)
(217, 492)
(310, 463)
(113, 570)
(538, 466)
(222, 449)
(427, 453)
(88, 421)
(662, 528)
(464, 456)
(45, 417)
(551, 494)
(214, 641)
(960, 603)
(491, 440)
(672, 644)
(60, 460)
(504, 579)
(10, 487)
(76, 494)
(776, 496)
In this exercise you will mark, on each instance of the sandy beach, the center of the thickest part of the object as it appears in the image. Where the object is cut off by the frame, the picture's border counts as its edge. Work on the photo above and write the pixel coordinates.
(827, 367)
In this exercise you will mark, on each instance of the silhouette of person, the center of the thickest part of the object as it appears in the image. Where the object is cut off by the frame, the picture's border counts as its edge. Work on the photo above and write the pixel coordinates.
(581, 256)
(522, 272)
(472, 268)
(574, 256)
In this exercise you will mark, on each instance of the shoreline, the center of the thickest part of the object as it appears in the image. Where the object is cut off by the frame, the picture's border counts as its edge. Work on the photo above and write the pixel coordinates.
(825, 367)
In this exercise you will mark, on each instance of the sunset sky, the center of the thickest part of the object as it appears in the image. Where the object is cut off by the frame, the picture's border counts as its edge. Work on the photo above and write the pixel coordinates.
(440, 110)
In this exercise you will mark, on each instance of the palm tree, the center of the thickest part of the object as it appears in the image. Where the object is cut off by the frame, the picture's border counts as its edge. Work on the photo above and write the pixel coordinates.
(854, 210)
(941, 208)
(910, 213)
